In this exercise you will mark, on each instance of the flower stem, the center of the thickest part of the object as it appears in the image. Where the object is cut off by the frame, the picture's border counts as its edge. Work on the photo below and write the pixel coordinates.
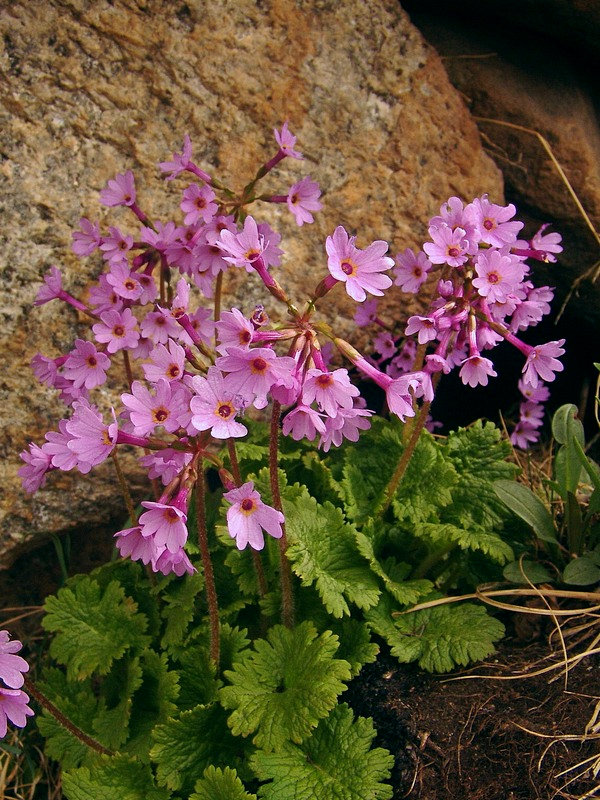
(124, 489)
(64, 721)
(287, 598)
(405, 458)
(128, 371)
(209, 578)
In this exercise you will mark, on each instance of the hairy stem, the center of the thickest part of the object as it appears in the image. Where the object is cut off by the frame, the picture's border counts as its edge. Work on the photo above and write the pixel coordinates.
(287, 598)
(209, 578)
(32, 689)
(124, 489)
(127, 364)
(405, 458)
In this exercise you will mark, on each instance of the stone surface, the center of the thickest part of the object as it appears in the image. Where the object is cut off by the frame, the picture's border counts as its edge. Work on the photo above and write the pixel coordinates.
(89, 88)
(505, 74)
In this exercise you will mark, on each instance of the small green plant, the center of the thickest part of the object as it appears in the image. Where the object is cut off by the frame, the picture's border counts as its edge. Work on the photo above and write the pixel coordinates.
(566, 522)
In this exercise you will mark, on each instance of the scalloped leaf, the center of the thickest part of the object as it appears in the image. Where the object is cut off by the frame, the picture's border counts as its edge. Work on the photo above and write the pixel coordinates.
(474, 539)
(335, 763)
(179, 597)
(220, 784)
(356, 646)
(439, 638)
(186, 745)
(322, 550)
(282, 688)
(111, 723)
(93, 627)
(113, 778)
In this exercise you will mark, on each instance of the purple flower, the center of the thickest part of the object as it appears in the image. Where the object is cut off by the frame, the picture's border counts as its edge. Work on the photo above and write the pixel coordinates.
(302, 198)
(424, 326)
(492, 222)
(449, 246)
(249, 516)
(131, 543)
(119, 191)
(542, 362)
(360, 270)
(253, 372)
(57, 447)
(146, 411)
(197, 204)
(88, 239)
(85, 365)
(523, 435)
(234, 330)
(214, 406)
(331, 390)
(177, 563)
(166, 522)
(52, 288)
(286, 142)
(475, 371)
(366, 313)
(159, 327)
(115, 246)
(243, 248)
(180, 161)
(498, 275)
(118, 330)
(92, 441)
(12, 667)
(167, 362)
(346, 425)
(37, 464)
(411, 270)
(13, 707)
(303, 422)
(124, 282)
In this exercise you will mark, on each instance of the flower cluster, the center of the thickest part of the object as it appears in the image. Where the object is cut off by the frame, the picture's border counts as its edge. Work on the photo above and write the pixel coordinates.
(192, 371)
(13, 700)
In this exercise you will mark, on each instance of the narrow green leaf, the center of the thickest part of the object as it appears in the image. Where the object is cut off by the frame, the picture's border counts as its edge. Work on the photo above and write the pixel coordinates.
(528, 506)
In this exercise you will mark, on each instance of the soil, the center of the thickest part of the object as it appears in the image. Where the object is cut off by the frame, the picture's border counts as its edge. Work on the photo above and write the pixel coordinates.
(454, 737)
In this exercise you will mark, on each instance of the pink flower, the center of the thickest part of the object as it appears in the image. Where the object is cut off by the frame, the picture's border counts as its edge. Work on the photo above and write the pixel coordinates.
(303, 422)
(37, 464)
(159, 327)
(253, 372)
(177, 563)
(385, 344)
(542, 362)
(249, 516)
(92, 441)
(166, 522)
(475, 371)
(46, 369)
(57, 447)
(424, 326)
(497, 275)
(52, 288)
(119, 191)
(411, 270)
(88, 239)
(302, 198)
(214, 406)
(523, 435)
(234, 330)
(493, 222)
(115, 246)
(366, 313)
(13, 707)
(180, 161)
(286, 142)
(124, 282)
(165, 464)
(331, 390)
(146, 412)
(85, 365)
(242, 248)
(360, 270)
(346, 425)
(103, 297)
(197, 204)
(451, 247)
(12, 667)
(167, 362)
(131, 543)
(118, 329)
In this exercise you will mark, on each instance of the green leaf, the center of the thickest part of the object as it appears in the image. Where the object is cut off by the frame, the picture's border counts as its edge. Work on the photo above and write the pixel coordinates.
(335, 763)
(528, 506)
(322, 550)
(76, 700)
(111, 722)
(526, 571)
(93, 627)
(282, 688)
(356, 646)
(581, 572)
(439, 638)
(179, 596)
(474, 539)
(368, 466)
(392, 573)
(427, 484)
(186, 745)
(220, 784)
(116, 778)
(566, 426)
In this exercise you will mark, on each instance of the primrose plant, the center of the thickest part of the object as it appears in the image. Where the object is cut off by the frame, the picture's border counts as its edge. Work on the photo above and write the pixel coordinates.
(169, 675)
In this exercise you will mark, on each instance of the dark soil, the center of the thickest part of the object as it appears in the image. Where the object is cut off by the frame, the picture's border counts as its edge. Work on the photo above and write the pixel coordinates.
(454, 737)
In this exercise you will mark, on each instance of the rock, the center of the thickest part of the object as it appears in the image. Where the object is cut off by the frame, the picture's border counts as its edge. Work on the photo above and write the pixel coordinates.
(94, 87)
(506, 74)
